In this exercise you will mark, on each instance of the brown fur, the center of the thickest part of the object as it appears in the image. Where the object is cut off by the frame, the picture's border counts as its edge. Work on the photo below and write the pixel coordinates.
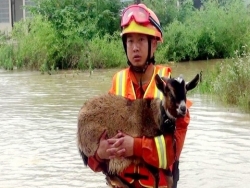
(113, 113)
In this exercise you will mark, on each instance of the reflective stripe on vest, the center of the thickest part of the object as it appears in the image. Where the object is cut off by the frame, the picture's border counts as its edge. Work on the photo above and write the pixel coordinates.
(120, 83)
(161, 150)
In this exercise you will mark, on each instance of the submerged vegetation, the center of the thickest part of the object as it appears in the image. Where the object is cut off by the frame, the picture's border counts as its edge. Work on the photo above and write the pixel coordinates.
(76, 34)
(229, 81)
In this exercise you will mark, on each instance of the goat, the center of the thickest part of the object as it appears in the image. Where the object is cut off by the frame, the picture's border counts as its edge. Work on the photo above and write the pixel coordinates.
(140, 117)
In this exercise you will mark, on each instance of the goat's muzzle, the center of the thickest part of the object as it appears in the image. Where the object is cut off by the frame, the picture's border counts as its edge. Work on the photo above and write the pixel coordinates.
(182, 109)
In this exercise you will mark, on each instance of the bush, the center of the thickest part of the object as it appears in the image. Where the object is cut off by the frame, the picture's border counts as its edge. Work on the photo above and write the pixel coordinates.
(106, 52)
(37, 45)
(215, 31)
(229, 81)
(6, 54)
(181, 40)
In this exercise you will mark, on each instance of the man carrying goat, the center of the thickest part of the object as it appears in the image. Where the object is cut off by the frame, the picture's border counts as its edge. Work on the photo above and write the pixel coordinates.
(141, 31)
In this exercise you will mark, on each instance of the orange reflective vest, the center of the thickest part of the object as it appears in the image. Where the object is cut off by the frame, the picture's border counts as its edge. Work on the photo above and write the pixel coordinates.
(157, 151)
(123, 86)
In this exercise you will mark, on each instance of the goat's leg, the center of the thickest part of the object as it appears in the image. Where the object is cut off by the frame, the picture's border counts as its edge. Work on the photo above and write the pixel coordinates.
(169, 176)
(170, 181)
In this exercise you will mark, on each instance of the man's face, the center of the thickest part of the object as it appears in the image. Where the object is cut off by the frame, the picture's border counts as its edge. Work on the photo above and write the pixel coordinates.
(137, 48)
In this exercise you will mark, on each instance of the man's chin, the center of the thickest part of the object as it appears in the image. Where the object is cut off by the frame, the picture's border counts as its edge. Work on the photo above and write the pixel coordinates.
(138, 64)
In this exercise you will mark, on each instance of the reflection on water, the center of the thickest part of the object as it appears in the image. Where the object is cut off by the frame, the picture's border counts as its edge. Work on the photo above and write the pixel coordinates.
(38, 134)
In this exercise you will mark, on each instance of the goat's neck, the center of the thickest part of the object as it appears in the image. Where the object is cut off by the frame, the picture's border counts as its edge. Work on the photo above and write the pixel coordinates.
(167, 112)
(170, 115)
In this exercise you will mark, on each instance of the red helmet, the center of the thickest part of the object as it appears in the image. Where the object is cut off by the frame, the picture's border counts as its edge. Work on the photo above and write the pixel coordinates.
(140, 19)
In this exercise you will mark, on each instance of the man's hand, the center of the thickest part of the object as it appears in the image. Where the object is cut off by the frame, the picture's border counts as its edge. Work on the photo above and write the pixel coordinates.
(110, 149)
(122, 146)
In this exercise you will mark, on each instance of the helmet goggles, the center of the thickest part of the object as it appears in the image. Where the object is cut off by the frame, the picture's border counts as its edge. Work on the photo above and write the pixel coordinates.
(140, 15)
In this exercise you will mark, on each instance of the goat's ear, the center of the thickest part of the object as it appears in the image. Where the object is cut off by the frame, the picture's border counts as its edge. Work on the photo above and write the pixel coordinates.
(159, 83)
(193, 83)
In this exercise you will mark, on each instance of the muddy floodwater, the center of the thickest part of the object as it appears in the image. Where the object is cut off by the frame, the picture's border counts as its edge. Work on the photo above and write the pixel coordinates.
(38, 118)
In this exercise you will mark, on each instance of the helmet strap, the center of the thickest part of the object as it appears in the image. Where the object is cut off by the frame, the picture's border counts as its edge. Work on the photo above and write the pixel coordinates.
(140, 69)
